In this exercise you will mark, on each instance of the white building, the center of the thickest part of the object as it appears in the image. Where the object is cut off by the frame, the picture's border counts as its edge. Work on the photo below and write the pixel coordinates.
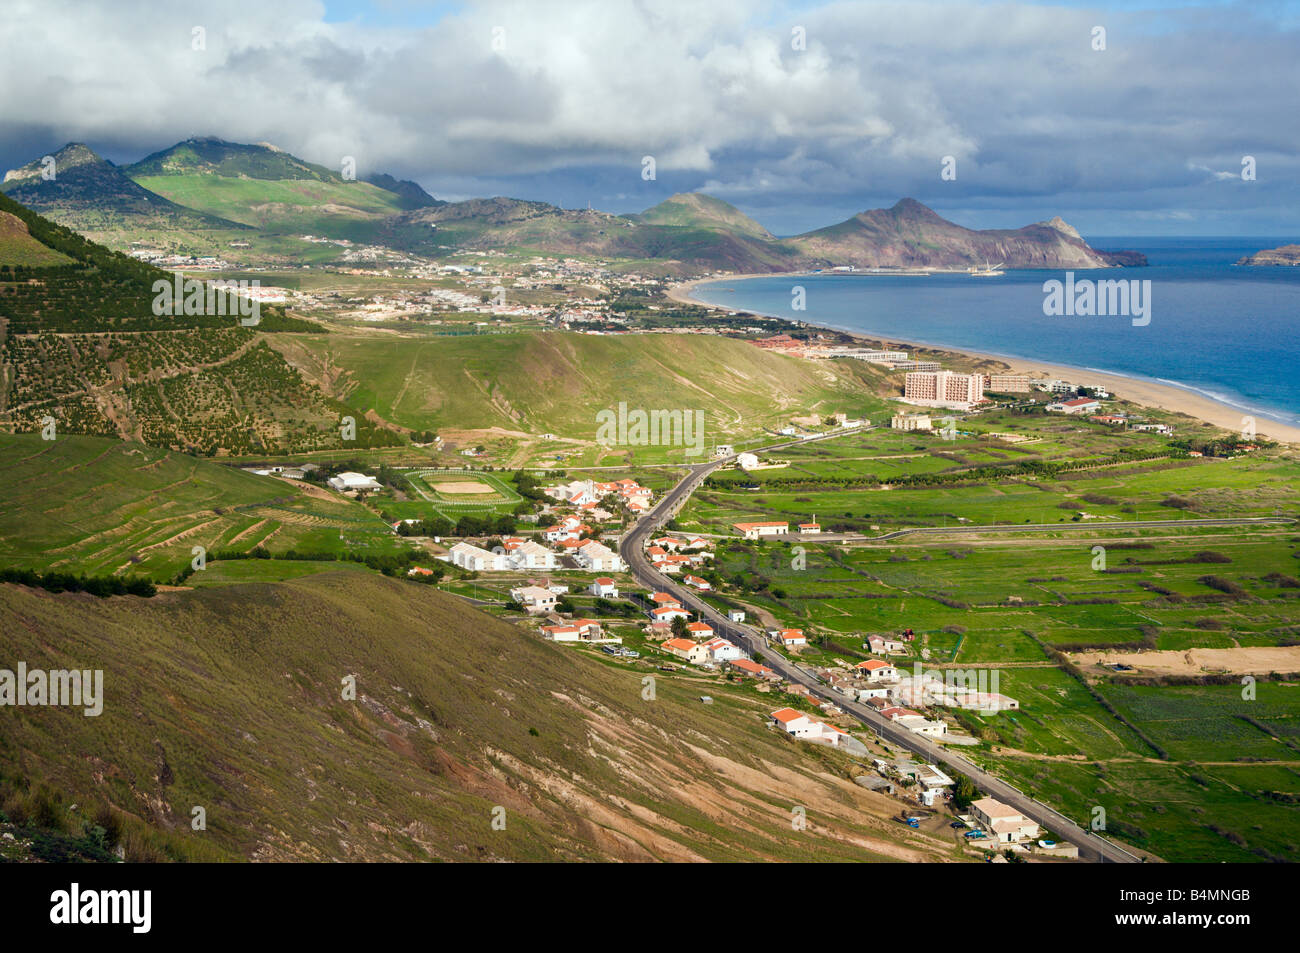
(534, 598)
(352, 482)
(1079, 405)
(597, 557)
(1002, 822)
(469, 556)
(911, 422)
(604, 587)
(720, 650)
(804, 726)
(757, 530)
(532, 555)
(944, 389)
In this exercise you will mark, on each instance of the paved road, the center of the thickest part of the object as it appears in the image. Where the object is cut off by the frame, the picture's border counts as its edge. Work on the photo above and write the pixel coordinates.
(632, 549)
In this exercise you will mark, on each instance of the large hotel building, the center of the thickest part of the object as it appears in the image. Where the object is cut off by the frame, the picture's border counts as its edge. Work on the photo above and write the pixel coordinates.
(944, 389)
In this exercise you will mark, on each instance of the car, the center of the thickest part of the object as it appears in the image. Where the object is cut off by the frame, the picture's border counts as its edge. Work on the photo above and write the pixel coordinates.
(957, 824)
(609, 650)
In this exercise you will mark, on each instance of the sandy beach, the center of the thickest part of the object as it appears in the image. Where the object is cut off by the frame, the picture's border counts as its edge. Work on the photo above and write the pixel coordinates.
(1146, 393)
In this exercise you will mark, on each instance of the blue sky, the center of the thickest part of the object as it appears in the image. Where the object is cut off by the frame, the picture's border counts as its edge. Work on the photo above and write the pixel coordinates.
(562, 102)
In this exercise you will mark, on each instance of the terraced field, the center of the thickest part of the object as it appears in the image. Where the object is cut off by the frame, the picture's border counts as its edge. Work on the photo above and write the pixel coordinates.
(97, 506)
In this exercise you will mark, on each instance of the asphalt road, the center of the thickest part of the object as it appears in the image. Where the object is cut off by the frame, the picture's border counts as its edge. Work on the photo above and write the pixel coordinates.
(632, 549)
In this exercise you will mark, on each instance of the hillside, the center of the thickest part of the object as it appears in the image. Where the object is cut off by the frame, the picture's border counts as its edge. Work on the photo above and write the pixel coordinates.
(697, 210)
(1282, 255)
(80, 342)
(231, 700)
(260, 185)
(557, 382)
(97, 198)
(527, 228)
(202, 194)
(410, 194)
(99, 506)
(18, 247)
(911, 235)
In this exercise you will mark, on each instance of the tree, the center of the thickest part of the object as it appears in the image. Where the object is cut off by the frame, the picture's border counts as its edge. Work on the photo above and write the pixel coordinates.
(679, 628)
(963, 792)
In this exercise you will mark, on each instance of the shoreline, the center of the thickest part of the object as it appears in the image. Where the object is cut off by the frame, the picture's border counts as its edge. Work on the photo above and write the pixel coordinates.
(1147, 393)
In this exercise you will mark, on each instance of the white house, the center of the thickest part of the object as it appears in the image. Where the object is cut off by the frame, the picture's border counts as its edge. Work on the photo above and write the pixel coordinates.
(758, 530)
(874, 670)
(698, 583)
(699, 630)
(534, 598)
(604, 587)
(469, 556)
(532, 555)
(1001, 821)
(598, 557)
(668, 613)
(1079, 405)
(804, 726)
(736, 615)
(790, 637)
(883, 646)
(720, 650)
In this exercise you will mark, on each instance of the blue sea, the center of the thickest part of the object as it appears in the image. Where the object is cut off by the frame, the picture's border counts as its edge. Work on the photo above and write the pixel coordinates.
(1227, 332)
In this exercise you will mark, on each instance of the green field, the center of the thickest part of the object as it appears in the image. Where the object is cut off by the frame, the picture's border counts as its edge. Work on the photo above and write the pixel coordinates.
(1001, 603)
(101, 507)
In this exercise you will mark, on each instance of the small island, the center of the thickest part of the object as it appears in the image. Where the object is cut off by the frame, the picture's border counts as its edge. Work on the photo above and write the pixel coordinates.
(1283, 255)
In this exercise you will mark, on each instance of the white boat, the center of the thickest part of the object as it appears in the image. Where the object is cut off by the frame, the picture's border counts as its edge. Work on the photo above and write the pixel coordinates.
(986, 271)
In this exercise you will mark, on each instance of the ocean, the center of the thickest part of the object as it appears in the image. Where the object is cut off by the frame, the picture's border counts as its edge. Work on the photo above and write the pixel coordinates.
(1227, 332)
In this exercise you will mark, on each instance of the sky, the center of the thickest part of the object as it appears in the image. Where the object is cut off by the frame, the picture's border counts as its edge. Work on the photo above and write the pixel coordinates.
(1122, 118)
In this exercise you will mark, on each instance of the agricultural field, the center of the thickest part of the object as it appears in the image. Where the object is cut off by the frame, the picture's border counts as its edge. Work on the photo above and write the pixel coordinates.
(101, 507)
(883, 480)
(1161, 754)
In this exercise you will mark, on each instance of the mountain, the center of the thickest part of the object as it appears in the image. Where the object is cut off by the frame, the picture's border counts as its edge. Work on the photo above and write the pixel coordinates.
(695, 209)
(527, 227)
(98, 198)
(263, 186)
(411, 194)
(232, 699)
(198, 195)
(1282, 255)
(911, 235)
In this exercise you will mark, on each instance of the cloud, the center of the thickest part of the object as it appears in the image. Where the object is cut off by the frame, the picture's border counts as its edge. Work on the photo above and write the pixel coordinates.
(550, 99)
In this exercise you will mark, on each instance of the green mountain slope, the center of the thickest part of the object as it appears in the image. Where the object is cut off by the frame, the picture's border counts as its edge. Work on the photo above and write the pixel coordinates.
(18, 247)
(97, 198)
(260, 185)
(89, 505)
(558, 382)
(523, 227)
(231, 700)
(694, 209)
